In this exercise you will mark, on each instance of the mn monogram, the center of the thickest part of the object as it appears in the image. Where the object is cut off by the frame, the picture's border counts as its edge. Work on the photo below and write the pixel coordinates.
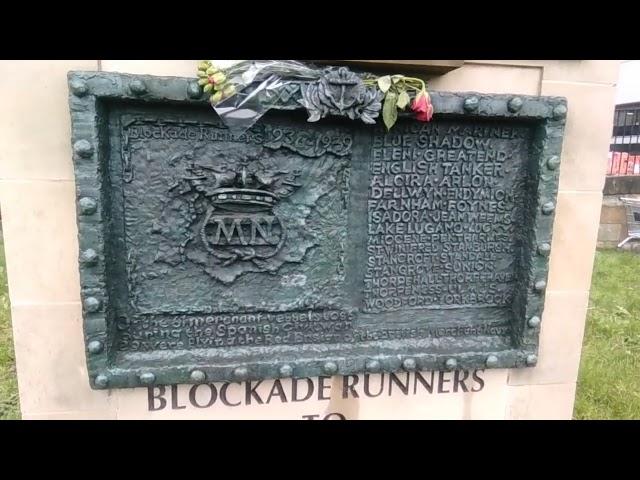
(240, 223)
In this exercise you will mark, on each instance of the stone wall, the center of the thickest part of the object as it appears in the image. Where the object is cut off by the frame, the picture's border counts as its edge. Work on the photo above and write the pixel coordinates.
(37, 194)
(613, 216)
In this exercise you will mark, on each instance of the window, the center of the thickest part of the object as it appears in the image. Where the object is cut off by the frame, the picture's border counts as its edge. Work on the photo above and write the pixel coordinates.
(625, 140)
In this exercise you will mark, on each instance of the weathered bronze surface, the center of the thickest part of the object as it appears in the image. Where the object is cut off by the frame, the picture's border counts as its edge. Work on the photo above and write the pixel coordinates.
(303, 249)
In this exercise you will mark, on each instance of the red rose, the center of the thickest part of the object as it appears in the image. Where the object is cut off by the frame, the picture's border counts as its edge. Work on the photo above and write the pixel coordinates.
(422, 106)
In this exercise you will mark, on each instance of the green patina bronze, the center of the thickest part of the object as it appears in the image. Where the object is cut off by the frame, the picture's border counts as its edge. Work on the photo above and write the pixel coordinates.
(299, 249)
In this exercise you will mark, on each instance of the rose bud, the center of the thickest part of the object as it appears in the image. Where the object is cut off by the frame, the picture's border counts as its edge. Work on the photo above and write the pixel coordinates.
(219, 77)
(216, 97)
(422, 106)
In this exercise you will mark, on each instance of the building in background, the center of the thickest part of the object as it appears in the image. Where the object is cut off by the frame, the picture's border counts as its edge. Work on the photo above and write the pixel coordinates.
(623, 168)
(624, 152)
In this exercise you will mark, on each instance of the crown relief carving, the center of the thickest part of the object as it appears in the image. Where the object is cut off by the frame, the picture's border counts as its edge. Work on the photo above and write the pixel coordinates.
(240, 223)
(244, 187)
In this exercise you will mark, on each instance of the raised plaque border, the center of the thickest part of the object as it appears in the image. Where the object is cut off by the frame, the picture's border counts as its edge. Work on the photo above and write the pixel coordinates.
(88, 91)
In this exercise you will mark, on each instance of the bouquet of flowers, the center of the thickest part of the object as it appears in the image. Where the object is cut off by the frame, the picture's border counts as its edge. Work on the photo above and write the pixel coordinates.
(243, 91)
(222, 83)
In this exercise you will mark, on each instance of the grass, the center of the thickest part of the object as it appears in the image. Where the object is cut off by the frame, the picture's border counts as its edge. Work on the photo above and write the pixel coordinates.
(9, 408)
(609, 379)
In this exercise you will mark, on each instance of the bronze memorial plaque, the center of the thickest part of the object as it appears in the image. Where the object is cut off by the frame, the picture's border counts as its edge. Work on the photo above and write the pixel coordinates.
(302, 248)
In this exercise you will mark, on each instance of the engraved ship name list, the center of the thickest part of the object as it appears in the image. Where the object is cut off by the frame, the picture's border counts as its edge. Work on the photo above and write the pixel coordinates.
(443, 210)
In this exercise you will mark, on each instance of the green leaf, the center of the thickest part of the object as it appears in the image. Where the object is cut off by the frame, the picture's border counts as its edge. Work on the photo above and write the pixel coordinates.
(384, 83)
(389, 110)
(397, 78)
(403, 100)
